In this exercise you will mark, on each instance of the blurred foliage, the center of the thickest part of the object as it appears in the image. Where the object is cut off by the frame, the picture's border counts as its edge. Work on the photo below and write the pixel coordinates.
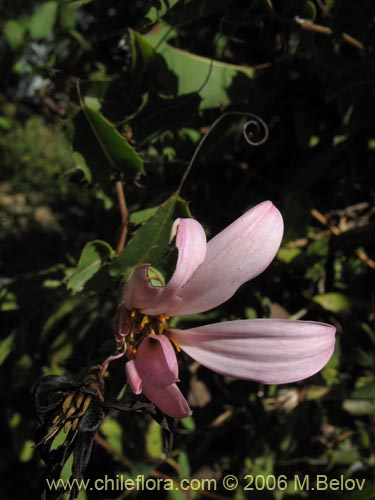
(95, 92)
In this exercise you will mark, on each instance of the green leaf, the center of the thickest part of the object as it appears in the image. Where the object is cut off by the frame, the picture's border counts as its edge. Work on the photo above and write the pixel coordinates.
(115, 147)
(113, 432)
(82, 166)
(286, 255)
(93, 258)
(211, 79)
(103, 148)
(142, 50)
(14, 32)
(67, 14)
(6, 347)
(316, 392)
(319, 248)
(27, 451)
(43, 20)
(142, 215)
(334, 302)
(149, 243)
(358, 406)
(188, 423)
(330, 372)
(154, 440)
(155, 13)
(308, 10)
(64, 310)
(365, 392)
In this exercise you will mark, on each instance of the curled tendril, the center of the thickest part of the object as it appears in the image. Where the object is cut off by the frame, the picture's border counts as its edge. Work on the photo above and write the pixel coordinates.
(259, 135)
(255, 137)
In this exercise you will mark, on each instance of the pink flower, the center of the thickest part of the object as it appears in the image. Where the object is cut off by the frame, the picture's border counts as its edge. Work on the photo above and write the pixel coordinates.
(270, 351)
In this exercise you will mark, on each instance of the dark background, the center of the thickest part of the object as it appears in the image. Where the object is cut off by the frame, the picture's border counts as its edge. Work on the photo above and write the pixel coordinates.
(315, 89)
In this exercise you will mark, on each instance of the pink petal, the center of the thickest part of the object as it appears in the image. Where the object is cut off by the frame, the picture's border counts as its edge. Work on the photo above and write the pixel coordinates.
(133, 377)
(191, 245)
(138, 289)
(156, 361)
(169, 400)
(236, 255)
(270, 351)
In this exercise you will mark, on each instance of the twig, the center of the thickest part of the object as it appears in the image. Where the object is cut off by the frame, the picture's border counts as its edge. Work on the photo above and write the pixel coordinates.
(361, 254)
(308, 25)
(124, 217)
(253, 121)
(365, 258)
(125, 461)
(323, 219)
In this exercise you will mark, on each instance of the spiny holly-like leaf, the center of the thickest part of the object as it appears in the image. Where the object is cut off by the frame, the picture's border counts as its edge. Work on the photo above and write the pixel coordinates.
(94, 255)
(104, 149)
(149, 243)
(196, 74)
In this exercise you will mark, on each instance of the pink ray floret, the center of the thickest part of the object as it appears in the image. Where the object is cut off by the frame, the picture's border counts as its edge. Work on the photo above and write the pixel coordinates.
(270, 351)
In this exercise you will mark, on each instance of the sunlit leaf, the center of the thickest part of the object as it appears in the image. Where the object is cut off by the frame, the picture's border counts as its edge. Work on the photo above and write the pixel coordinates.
(196, 74)
(113, 433)
(155, 13)
(154, 440)
(27, 451)
(316, 392)
(359, 406)
(103, 148)
(149, 243)
(14, 32)
(6, 347)
(142, 215)
(288, 254)
(188, 423)
(330, 372)
(94, 256)
(43, 20)
(334, 302)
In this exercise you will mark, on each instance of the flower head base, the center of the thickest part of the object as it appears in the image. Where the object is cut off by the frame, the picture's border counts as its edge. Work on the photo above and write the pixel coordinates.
(133, 327)
(207, 274)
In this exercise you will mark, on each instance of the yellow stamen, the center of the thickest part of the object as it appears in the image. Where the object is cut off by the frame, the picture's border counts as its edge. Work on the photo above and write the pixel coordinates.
(86, 404)
(144, 321)
(79, 400)
(67, 402)
(75, 424)
(133, 313)
(56, 420)
(70, 412)
(175, 343)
